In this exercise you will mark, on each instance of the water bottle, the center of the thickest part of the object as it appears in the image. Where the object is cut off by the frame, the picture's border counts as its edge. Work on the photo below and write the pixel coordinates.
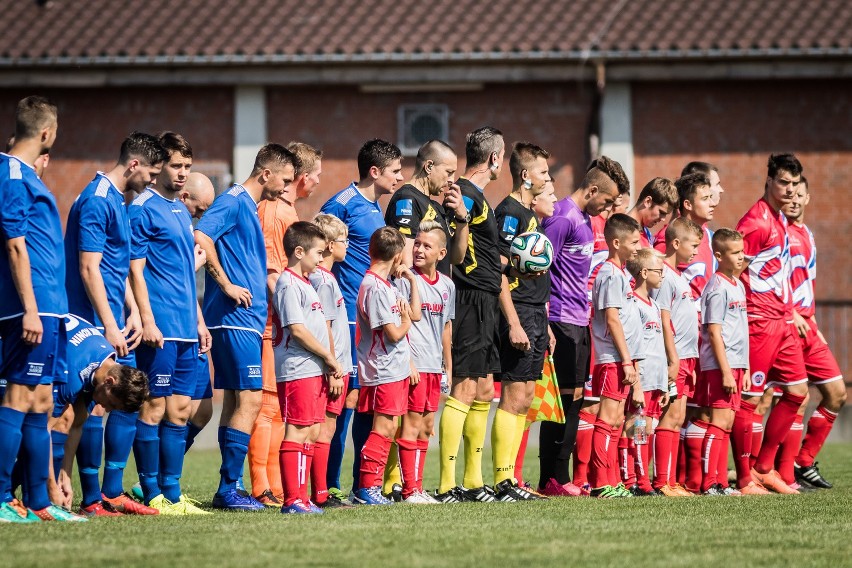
(640, 427)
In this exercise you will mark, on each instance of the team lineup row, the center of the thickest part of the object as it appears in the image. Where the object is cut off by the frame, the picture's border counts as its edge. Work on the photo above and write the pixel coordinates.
(425, 289)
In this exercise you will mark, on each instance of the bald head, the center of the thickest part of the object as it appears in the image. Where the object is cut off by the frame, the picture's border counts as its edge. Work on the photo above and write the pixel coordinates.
(197, 194)
(435, 151)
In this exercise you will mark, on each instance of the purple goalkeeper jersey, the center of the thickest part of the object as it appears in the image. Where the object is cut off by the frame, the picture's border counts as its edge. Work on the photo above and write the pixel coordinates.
(570, 231)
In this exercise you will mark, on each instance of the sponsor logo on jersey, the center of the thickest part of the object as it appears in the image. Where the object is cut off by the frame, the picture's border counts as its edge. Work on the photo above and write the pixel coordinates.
(737, 305)
(35, 369)
(433, 309)
(316, 306)
(162, 380)
(758, 378)
(253, 370)
(510, 226)
(404, 207)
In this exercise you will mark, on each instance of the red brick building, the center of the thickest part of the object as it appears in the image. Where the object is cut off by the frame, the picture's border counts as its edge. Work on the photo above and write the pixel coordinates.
(652, 83)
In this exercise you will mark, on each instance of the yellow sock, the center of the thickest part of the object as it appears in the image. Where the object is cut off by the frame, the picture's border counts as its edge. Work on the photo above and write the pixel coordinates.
(475, 428)
(392, 473)
(449, 436)
(502, 442)
(520, 428)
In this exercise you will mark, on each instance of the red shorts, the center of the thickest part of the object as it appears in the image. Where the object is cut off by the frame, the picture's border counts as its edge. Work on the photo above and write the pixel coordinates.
(425, 396)
(820, 363)
(588, 393)
(389, 398)
(699, 390)
(686, 377)
(335, 405)
(652, 404)
(608, 381)
(775, 355)
(303, 401)
(716, 395)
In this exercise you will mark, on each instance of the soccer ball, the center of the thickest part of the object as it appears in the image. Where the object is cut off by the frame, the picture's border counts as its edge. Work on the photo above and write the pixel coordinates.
(531, 252)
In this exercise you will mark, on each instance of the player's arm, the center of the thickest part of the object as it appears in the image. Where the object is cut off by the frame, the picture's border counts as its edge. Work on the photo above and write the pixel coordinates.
(151, 334)
(717, 343)
(616, 332)
(517, 336)
(398, 332)
(307, 340)
(801, 324)
(335, 383)
(19, 265)
(454, 203)
(205, 340)
(240, 295)
(71, 423)
(669, 341)
(93, 282)
(414, 305)
(133, 322)
(447, 348)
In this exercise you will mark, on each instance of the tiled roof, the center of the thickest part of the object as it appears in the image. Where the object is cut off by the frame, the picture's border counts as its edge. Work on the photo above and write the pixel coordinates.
(65, 33)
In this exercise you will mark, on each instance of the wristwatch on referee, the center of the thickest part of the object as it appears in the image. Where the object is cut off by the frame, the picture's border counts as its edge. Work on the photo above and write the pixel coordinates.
(465, 219)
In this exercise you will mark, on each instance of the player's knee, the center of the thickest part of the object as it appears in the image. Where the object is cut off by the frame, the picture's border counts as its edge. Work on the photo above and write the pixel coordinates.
(351, 399)
(835, 396)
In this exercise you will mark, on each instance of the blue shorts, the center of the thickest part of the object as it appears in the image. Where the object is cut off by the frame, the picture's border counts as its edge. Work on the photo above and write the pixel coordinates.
(353, 374)
(170, 369)
(236, 359)
(203, 386)
(42, 364)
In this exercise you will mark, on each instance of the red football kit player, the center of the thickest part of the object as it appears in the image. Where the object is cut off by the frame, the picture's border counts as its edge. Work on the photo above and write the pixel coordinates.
(775, 352)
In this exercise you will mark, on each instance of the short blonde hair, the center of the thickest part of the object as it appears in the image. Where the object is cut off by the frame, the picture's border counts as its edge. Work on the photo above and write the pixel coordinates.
(332, 227)
(433, 226)
(643, 259)
(307, 154)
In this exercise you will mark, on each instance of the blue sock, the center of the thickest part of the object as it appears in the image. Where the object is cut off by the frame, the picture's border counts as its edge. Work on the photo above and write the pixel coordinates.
(338, 445)
(191, 432)
(146, 450)
(234, 446)
(10, 442)
(362, 424)
(35, 444)
(89, 454)
(172, 444)
(58, 439)
(118, 441)
(18, 480)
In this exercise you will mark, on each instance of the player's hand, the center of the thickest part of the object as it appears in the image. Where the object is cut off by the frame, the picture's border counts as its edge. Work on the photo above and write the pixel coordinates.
(332, 366)
(414, 375)
(32, 328)
(631, 376)
(801, 324)
(453, 201)
(746, 381)
(674, 367)
(241, 296)
(515, 273)
(64, 484)
(637, 396)
(200, 258)
(335, 386)
(403, 271)
(551, 339)
(518, 338)
(664, 401)
(729, 385)
(205, 340)
(404, 311)
(117, 339)
(133, 330)
(152, 336)
(821, 337)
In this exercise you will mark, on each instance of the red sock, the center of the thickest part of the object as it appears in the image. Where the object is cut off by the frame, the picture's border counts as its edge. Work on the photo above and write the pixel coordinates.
(641, 455)
(625, 461)
(819, 426)
(711, 445)
(756, 437)
(305, 473)
(291, 463)
(776, 429)
(722, 464)
(787, 452)
(694, 440)
(599, 465)
(408, 465)
(422, 448)
(680, 456)
(741, 438)
(614, 477)
(663, 455)
(519, 460)
(583, 448)
(319, 471)
(374, 457)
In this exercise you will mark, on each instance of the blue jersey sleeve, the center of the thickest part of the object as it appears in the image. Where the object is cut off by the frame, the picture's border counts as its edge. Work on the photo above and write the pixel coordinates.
(219, 219)
(332, 207)
(94, 219)
(141, 232)
(17, 205)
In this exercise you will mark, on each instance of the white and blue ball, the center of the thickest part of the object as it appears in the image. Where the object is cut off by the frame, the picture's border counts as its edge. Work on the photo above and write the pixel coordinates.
(530, 253)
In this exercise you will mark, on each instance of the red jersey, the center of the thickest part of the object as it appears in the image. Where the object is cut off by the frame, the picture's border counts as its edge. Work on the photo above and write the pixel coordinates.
(702, 266)
(600, 251)
(767, 249)
(802, 268)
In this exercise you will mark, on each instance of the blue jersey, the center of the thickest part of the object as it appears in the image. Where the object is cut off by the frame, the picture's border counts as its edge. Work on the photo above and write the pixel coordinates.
(86, 351)
(362, 217)
(233, 225)
(98, 222)
(161, 232)
(29, 210)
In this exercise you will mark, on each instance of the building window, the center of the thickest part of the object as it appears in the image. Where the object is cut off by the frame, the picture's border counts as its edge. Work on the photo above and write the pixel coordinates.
(417, 124)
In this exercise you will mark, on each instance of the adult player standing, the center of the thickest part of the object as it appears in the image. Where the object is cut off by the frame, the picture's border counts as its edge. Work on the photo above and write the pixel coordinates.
(235, 308)
(475, 331)
(379, 173)
(775, 352)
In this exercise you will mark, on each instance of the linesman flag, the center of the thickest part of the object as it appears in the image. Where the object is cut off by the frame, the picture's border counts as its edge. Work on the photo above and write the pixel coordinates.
(547, 404)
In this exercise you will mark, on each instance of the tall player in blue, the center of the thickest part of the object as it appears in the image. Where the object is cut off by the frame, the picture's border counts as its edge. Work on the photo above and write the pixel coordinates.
(380, 173)
(97, 242)
(235, 308)
(162, 276)
(32, 312)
